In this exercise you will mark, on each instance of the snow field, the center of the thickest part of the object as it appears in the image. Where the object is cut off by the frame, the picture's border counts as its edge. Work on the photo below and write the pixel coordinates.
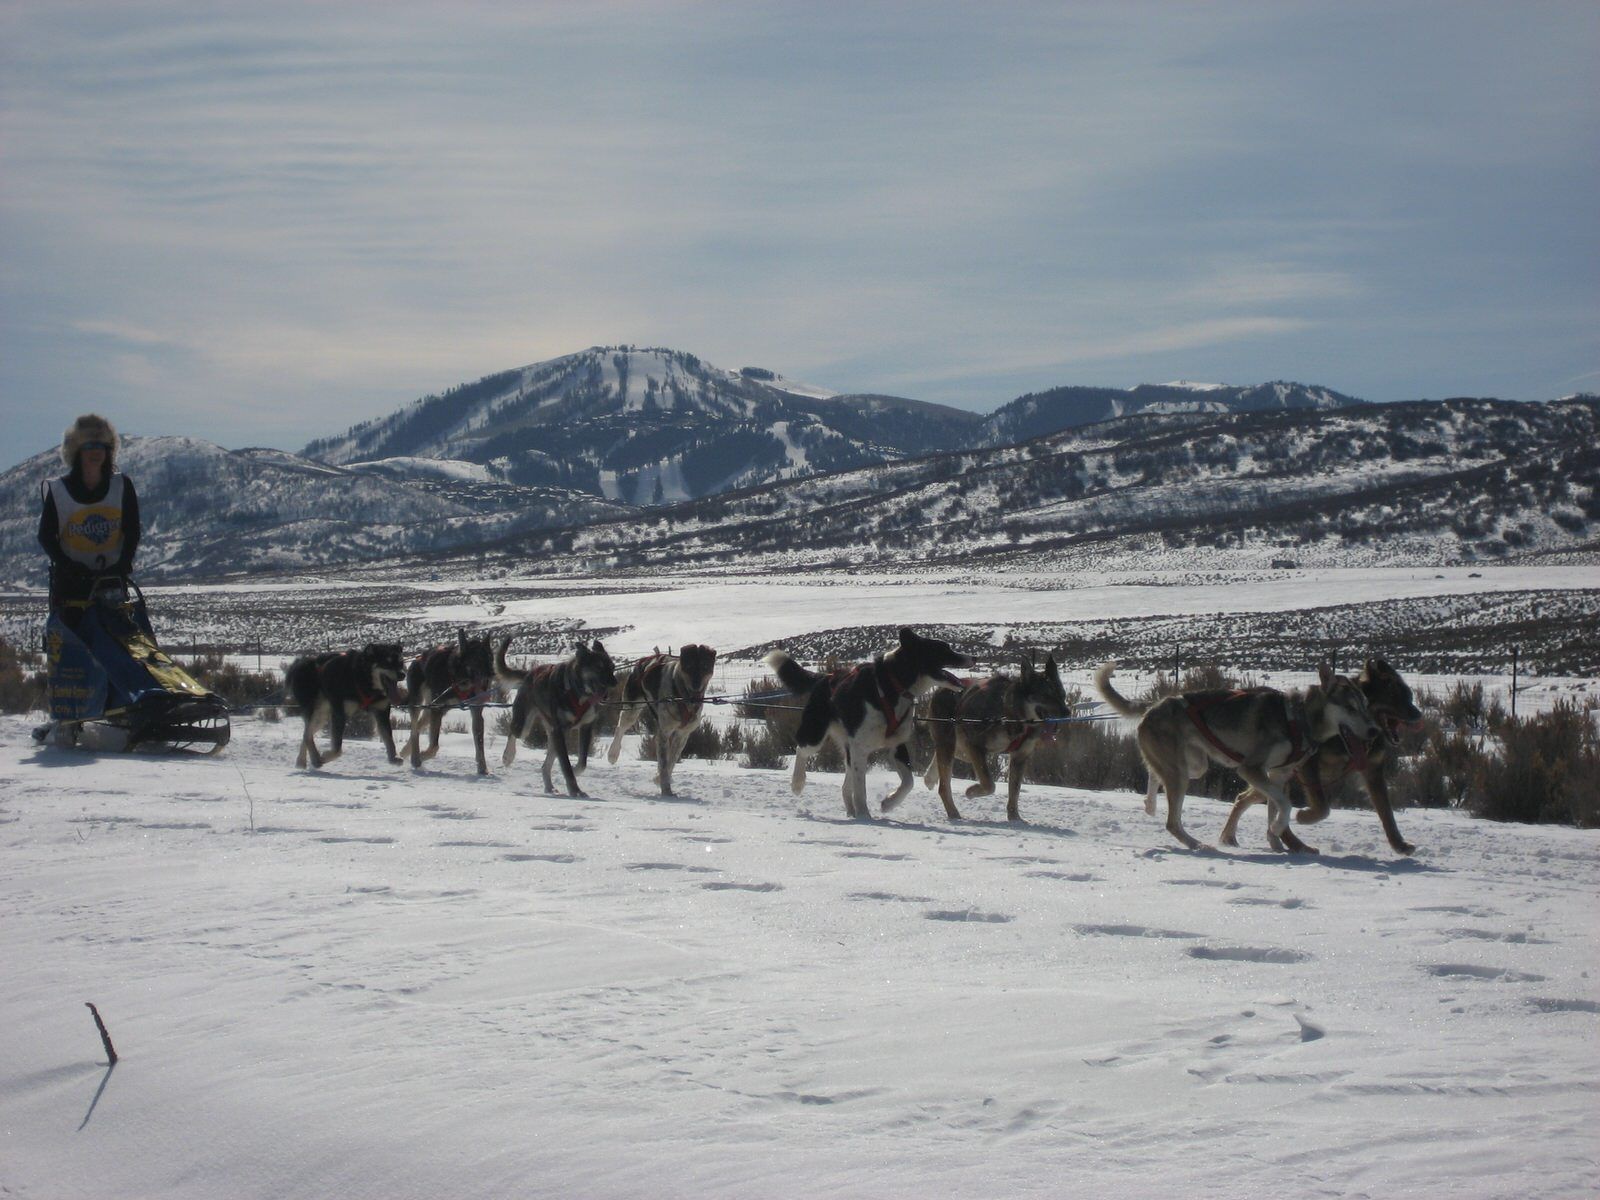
(372, 982)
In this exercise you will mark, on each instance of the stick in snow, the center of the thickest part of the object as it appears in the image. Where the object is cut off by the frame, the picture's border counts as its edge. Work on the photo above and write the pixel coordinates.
(111, 1051)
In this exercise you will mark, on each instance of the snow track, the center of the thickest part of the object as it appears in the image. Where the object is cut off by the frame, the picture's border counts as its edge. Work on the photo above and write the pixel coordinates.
(367, 982)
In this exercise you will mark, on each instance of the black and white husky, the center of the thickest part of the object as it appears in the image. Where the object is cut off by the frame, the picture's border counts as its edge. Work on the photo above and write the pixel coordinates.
(331, 688)
(867, 708)
(559, 698)
(669, 691)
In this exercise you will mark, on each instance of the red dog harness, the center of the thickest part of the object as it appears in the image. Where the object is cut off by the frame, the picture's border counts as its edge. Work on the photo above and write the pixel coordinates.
(889, 691)
(1299, 749)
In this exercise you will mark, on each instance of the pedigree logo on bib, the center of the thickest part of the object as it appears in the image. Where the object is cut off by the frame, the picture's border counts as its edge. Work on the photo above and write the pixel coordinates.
(92, 530)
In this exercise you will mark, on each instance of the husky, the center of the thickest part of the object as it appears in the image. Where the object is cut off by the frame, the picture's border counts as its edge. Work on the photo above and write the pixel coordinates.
(1390, 703)
(559, 698)
(1001, 714)
(671, 688)
(331, 688)
(867, 708)
(444, 677)
(1262, 733)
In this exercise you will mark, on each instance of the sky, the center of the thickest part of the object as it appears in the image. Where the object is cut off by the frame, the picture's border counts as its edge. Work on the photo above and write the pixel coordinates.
(262, 223)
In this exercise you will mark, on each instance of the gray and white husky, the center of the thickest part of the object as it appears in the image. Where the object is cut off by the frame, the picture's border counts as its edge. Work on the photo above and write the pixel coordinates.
(669, 691)
(1002, 715)
(559, 698)
(1262, 733)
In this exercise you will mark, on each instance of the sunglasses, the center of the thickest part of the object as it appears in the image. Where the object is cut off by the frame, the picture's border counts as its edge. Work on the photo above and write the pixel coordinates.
(106, 446)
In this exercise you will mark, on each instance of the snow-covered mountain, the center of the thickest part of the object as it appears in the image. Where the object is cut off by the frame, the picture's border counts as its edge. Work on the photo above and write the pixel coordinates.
(210, 511)
(1040, 413)
(649, 426)
(1430, 482)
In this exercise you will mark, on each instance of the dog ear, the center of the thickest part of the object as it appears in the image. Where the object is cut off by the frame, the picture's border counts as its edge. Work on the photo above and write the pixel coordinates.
(597, 648)
(1051, 671)
(906, 635)
(1325, 673)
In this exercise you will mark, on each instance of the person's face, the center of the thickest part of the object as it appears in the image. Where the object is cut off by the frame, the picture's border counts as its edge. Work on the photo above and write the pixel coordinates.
(93, 457)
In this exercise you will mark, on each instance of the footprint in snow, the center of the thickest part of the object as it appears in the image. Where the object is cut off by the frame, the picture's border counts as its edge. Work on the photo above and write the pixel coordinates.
(670, 866)
(722, 886)
(1291, 902)
(890, 896)
(1138, 931)
(1226, 885)
(1473, 971)
(875, 854)
(1255, 954)
(968, 915)
(366, 841)
(553, 858)
(1548, 1004)
(1490, 935)
(1068, 876)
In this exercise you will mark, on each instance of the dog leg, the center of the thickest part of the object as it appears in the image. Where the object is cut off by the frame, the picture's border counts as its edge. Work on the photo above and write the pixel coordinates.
(521, 726)
(1278, 811)
(1230, 831)
(1317, 806)
(797, 778)
(667, 750)
(380, 718)
(435, 723)
(550, 735)
(1378, 790)
(585, 740)
(979, 759)
(902, 765)
(1016, 764)
(308, 749)
(413, 740)
(338, 715)
(855, 785)
(1150, 794)
(558, 743)
(477, 738)
(939, 771)
(626, 719)
(1175, 789)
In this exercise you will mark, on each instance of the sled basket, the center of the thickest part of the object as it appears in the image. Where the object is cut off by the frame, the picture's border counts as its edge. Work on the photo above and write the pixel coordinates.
(110, 671)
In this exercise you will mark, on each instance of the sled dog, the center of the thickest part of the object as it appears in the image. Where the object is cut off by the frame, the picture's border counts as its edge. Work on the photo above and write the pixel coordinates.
(558, 698)
(331, 688)
(1000, 715)
(867, 708)
(1261, 733)
(1390, 703)
(669, 689)
(442, 678)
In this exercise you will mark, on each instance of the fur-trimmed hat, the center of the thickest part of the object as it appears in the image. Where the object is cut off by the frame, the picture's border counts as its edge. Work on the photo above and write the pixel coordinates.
(91, 427)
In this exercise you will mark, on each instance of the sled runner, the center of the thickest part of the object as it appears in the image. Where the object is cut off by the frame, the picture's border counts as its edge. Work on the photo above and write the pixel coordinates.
(113, 688)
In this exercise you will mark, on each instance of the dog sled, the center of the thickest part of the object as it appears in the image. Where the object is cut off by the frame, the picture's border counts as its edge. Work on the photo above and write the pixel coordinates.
(112, 687)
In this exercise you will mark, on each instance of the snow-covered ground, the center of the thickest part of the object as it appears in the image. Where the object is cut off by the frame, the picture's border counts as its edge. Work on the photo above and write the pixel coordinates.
(365, 982)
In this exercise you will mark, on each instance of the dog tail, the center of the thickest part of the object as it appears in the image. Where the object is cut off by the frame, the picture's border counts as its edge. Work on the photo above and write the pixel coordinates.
(1102, 684)
(816, 717)
(504, 671)
(790, 673)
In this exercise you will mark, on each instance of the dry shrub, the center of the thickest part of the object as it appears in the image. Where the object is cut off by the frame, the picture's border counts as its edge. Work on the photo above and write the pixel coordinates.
(23, 684)
(1547, 769)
